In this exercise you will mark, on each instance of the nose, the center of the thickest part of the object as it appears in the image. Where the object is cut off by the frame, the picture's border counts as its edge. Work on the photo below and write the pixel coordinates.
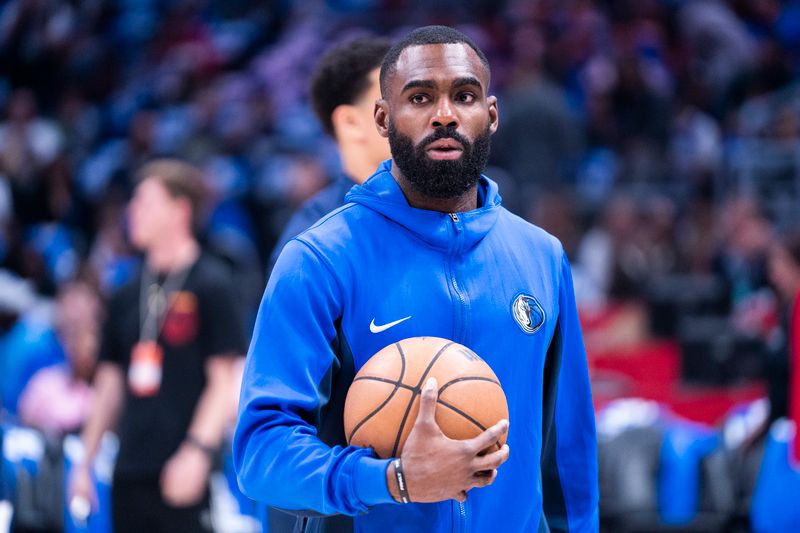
(444, 117)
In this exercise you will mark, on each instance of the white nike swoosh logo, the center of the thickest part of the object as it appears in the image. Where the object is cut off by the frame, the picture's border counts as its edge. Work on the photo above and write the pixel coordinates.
(377, 329)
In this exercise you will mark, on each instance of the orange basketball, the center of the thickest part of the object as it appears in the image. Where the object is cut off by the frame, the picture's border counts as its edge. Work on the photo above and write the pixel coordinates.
(383, 400)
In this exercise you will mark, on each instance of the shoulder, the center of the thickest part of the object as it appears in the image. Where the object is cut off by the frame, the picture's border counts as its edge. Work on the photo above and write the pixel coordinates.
(315, 208)
(328, 198)
(127, 292)
(330, 247)
(211, 271)
(341, 228)
(319, 205)
(532, 245)
(521, 232)
(51, 376)
(211, 265)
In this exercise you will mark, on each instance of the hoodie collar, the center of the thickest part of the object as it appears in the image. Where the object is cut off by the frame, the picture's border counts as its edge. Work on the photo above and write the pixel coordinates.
(382, 194)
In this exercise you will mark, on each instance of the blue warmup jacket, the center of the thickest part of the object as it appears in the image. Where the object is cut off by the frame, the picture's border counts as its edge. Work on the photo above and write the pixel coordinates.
(484, 278)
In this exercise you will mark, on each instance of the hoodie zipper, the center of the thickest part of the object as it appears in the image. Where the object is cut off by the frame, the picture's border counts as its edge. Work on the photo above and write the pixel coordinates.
(460, 521)
(462, 513)
(459, 328)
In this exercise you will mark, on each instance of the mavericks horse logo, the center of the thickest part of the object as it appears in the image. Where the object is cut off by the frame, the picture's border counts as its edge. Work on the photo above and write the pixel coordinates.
(528, 313)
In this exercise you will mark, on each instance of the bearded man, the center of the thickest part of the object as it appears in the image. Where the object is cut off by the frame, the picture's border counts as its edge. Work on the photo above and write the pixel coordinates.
(422, 248)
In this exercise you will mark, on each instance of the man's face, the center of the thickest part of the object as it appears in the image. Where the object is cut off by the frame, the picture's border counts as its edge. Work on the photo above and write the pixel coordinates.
(151, 212)
(438, 118)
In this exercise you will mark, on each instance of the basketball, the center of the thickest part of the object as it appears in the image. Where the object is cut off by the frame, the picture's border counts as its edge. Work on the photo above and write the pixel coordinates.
(383, 400)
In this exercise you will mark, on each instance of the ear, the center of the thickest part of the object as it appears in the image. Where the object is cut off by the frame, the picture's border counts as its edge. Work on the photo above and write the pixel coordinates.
(382, 117)
(346, 123)
(494, 119)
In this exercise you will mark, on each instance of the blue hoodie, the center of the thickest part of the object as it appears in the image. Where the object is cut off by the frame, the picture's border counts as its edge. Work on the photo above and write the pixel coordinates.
(484, 278)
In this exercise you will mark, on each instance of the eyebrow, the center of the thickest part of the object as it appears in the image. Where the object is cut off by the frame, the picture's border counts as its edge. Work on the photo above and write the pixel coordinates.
(466, 80)
(421, 84)
(430, 84)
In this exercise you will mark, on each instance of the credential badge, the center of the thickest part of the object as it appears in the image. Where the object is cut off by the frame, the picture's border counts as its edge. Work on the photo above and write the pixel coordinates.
(528, 313)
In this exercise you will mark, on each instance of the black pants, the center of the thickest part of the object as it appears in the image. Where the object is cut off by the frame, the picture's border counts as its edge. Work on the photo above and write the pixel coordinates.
(137, 506)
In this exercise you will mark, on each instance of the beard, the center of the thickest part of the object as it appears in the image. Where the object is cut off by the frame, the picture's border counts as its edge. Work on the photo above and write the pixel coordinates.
(440, 179)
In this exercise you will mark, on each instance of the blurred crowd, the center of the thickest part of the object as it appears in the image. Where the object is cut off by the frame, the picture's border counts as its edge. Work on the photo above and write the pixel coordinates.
(658, 139)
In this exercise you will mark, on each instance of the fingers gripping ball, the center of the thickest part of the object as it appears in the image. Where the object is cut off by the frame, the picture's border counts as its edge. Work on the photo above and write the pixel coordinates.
(383, 401)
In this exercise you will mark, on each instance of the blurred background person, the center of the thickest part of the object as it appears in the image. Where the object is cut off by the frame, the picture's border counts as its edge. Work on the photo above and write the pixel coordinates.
(166, 363)
(784, 273)
(609, 254)
(58, 399)
(344, 89)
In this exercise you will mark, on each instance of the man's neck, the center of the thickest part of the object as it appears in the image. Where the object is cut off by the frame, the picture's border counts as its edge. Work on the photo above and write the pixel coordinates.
(355, 165)
(457, 204)
(171, 254)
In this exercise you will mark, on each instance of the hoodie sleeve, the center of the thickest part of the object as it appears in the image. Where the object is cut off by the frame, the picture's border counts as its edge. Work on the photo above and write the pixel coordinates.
(279, 459)
(569, 441)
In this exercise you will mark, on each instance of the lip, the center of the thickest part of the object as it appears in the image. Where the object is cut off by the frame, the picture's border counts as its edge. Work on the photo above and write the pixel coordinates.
(445, 144)
(445, 149)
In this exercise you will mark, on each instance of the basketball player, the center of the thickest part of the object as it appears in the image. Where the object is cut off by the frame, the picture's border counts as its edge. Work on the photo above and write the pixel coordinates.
(165, 364)
(423, 247)
(343, 92)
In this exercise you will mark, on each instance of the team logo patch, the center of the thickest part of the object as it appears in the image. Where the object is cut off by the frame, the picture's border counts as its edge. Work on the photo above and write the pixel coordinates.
(528, 313)
(182, 321)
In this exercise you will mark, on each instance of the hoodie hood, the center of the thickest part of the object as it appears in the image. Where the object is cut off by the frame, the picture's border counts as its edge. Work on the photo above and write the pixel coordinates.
(382, 194)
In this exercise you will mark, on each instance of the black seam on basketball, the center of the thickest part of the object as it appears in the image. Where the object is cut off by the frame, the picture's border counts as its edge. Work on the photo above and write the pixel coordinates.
(373, 413)
(414, 394)
(388, 398)
(433, 362)
(402, 362)
(462, 413)
(465, 415)
(385, 380)
(468, 378)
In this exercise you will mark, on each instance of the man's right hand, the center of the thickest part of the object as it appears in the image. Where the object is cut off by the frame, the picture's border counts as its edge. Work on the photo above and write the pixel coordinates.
(438, 468)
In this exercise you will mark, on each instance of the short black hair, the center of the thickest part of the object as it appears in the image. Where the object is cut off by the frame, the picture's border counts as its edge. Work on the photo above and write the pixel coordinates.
(424, 36)
(342, 76)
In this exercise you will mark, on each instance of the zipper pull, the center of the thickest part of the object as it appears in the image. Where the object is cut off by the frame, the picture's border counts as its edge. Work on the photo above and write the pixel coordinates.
(454, 216)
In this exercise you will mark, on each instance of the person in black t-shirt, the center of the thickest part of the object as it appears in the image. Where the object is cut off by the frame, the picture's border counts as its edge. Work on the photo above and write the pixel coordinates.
(166, 364)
